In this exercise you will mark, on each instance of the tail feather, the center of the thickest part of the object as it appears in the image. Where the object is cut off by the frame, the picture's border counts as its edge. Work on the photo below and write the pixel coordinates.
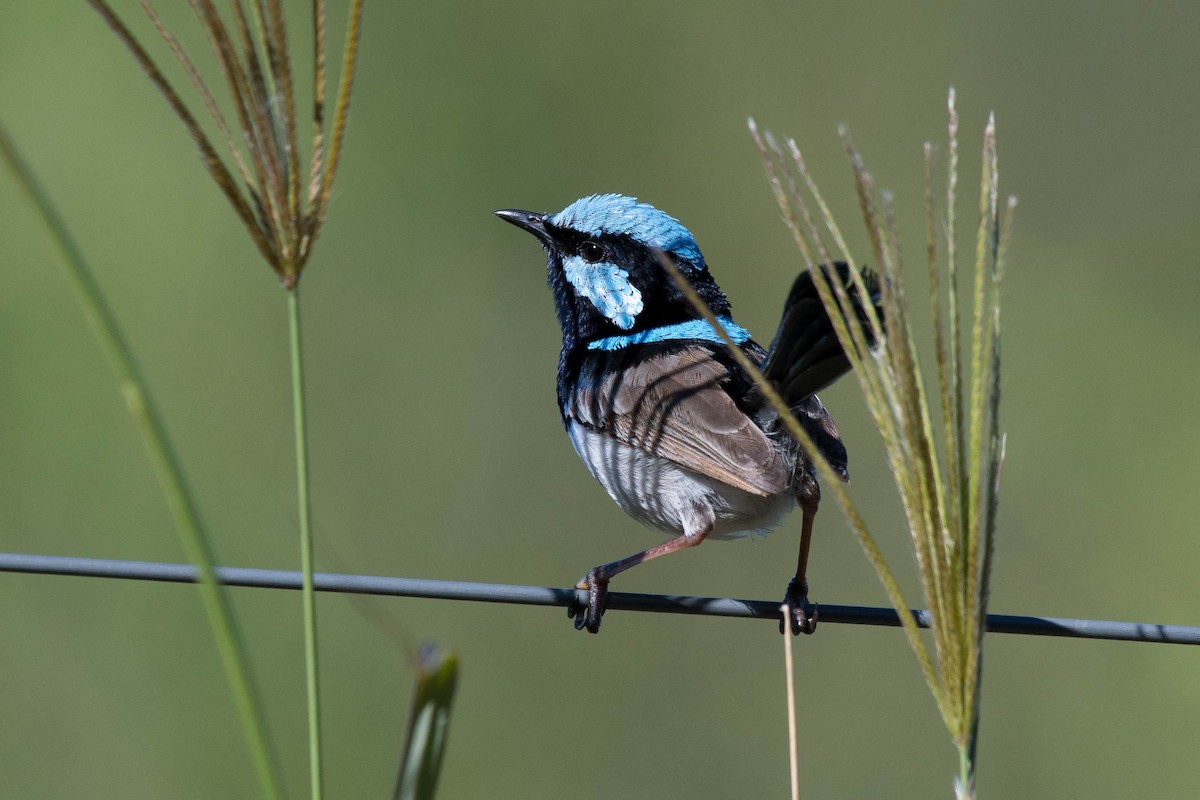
(805, 355)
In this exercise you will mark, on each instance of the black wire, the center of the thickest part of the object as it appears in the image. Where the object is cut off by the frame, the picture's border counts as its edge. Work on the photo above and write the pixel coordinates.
(544, 596)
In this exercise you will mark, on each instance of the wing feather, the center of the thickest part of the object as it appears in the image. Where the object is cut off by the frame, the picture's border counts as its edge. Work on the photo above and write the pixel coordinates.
(672, 403)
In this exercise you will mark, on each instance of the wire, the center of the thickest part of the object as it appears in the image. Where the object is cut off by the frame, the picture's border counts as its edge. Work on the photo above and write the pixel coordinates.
(545, 596)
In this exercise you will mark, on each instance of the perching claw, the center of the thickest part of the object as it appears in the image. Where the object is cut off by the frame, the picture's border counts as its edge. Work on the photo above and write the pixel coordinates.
(589, 616)
(802, 614)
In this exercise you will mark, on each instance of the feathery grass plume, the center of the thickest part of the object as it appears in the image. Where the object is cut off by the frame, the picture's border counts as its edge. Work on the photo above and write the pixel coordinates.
(947, 471)
(281, 206)
(947, 474)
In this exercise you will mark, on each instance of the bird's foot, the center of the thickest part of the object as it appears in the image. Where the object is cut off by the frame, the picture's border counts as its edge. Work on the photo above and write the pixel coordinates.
(802, 614)
(588, 616)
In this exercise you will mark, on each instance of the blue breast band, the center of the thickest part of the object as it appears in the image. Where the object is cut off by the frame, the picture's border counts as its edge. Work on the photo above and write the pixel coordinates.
(692, 329)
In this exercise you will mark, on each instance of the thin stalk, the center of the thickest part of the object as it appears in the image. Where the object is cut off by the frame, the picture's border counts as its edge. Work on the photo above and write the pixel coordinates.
(309, 596)
(964, 786)
(790, 669)
(167, 467)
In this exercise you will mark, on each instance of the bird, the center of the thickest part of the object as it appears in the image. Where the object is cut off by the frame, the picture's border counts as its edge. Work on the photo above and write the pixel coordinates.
(660, 412)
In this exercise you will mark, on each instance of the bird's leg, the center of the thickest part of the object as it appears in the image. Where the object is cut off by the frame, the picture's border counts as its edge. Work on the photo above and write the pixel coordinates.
(802, 614)
(596, 581)
(696, 527)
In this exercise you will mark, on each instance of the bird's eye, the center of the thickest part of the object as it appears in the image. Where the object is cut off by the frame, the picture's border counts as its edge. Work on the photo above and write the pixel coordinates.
(591, 252)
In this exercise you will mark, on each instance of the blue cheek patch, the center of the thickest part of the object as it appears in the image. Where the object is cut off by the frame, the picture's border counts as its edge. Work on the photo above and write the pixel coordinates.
(608, 288)
(692, 329)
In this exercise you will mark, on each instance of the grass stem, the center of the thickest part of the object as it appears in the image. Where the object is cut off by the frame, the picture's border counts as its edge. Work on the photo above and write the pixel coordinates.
(308, 594)
(789, 667)
(964, 785)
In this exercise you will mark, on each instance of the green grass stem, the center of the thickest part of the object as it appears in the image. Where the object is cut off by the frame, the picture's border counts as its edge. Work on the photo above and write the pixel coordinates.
(308, 594)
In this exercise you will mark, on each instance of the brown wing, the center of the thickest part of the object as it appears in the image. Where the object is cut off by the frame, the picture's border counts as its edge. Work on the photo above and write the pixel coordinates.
(673, 404)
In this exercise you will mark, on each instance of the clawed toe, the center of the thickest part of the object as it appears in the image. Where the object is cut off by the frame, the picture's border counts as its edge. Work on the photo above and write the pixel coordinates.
(802, 614)
(589, 615)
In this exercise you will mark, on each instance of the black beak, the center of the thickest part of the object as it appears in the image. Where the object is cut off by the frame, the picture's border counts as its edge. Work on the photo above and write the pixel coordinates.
(528, 220)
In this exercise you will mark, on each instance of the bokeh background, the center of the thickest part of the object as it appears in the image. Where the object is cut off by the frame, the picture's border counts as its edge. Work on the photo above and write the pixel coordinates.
(436, 447)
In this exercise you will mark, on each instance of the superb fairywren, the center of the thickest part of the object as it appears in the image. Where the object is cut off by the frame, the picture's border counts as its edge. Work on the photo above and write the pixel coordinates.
(656, 407)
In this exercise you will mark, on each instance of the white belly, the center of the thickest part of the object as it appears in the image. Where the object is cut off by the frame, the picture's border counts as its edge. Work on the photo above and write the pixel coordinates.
(661, 494)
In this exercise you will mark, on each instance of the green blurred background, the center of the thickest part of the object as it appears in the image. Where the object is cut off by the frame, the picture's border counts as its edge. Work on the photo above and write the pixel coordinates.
(436, 447)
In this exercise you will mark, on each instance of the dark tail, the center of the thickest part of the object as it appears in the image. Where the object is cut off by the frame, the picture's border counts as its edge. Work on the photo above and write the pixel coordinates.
(805, 355)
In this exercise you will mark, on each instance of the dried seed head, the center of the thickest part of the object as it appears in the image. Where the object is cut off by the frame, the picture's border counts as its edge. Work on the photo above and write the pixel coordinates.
(282, 211)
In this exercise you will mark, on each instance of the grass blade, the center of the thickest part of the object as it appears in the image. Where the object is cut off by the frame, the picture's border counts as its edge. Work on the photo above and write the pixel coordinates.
(167, 467)
(428, 722)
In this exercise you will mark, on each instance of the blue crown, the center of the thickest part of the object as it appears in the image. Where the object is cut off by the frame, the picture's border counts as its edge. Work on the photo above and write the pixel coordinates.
(599, 214)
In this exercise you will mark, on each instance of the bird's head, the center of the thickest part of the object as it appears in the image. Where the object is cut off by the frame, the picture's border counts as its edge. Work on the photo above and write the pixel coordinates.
(604, 269)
